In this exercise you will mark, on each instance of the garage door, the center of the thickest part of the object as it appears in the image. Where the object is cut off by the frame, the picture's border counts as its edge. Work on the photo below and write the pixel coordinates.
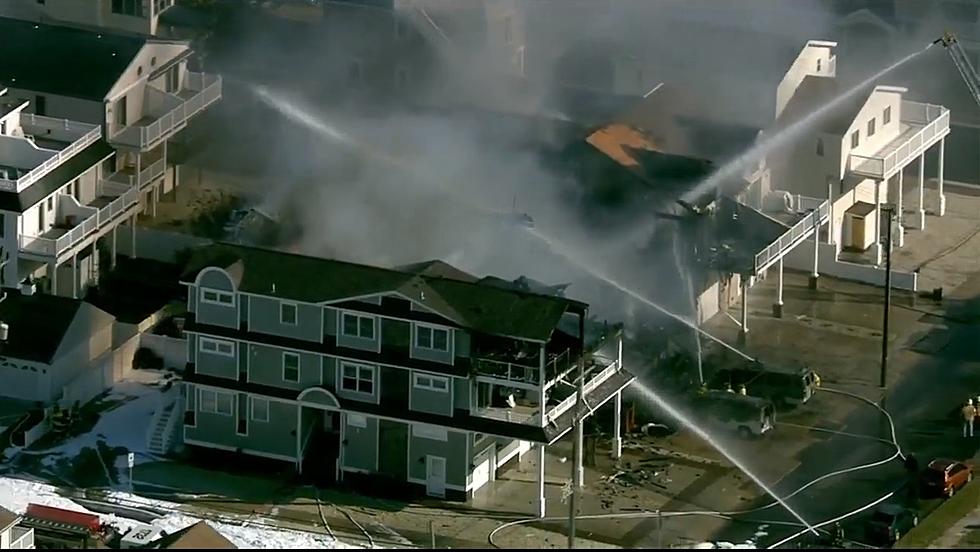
(481, 473)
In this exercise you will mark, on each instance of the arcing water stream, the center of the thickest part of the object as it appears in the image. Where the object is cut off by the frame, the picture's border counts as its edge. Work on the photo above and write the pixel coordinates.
(735, 167)
(662, 403)
(685, 273)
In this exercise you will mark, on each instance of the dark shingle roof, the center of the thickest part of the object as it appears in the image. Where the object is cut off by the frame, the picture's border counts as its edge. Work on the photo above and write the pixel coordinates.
(437, 269)
(7, 518)
(67, 61)
(38, 324)
(483, 308)
(194, 537)
(60, 176)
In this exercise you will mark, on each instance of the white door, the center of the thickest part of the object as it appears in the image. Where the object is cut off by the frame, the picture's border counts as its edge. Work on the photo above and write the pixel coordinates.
(435, 476)
(481, 473)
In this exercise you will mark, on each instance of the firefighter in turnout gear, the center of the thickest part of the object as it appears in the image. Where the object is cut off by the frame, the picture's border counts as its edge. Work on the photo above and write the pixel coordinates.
(969, 413)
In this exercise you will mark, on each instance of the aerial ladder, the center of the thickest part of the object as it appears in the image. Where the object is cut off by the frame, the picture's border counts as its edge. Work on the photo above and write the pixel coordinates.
(962, 63)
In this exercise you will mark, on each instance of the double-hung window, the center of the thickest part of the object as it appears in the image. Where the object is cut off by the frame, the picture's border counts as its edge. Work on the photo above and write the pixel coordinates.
(290, 367)
(428, 337)
(355, 325)
(357, 378)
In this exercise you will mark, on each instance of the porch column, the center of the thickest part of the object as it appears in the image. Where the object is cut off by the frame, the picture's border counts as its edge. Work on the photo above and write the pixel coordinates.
(112, 255)
(816, 250)
(744, 330)
(154, 198)
(74, 276)
(133, 236)
(877, 219)
(617, 440)
(579, 455)
(898, 211)
(922, 184)
(942, 163)
(777, 308)
(299, 433)
(830, 214)
(53, 275)
(541, 509)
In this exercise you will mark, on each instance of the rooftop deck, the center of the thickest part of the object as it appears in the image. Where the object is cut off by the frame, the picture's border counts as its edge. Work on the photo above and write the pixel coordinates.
(47, 143)
(922, 125)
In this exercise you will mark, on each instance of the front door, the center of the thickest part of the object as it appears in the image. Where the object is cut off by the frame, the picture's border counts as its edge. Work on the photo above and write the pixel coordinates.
(435, 476)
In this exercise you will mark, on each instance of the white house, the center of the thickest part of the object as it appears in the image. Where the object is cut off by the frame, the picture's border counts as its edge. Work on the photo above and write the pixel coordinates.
(854, 154)
(56, 201)
(134, 16)
(137, 88)
(12, 536)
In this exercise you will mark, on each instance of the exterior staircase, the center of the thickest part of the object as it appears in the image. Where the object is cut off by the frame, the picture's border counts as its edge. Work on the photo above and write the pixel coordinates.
(163, 436)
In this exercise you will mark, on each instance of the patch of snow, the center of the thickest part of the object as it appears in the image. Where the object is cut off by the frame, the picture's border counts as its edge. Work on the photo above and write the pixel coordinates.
(124, 425)
(16, 494)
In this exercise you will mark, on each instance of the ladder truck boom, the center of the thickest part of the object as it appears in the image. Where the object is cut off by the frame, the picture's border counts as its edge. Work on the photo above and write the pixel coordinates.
(962, 63)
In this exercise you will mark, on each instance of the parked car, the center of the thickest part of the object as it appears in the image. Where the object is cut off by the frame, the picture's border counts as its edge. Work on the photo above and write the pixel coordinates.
(889, 522)
(749, 417)
(944, 477)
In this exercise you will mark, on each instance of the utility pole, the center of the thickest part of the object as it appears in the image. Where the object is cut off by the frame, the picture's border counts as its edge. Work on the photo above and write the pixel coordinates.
(576, 452)
(888, 212)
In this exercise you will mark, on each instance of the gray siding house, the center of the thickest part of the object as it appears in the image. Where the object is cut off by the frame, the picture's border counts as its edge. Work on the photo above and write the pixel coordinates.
(422, 377)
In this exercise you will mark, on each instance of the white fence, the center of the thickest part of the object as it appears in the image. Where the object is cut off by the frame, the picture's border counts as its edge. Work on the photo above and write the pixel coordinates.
(172, 350)
(801, 258)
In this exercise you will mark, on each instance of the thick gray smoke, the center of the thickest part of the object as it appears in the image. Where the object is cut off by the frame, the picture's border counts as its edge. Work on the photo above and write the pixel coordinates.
(464, 173)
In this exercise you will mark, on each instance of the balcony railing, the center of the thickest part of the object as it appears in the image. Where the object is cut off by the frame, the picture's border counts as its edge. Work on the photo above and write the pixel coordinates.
(507, 415)
(588, 387)
(507, 371)
(62, 127)
(53, 247)
(819, 213)
(21, 538)
(934, 121)
(206, 89)
(145, 176)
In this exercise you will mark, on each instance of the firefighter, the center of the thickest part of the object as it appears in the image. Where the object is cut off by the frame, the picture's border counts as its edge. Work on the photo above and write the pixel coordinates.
(969, 413)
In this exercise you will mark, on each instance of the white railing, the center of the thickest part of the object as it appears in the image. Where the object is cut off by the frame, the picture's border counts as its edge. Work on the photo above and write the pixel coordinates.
(507, 415)
(209, 91)
(23, 541)
(145, 176)
(936, 121)
(819, 212)
(52, 247)
(588, 387)
(506, 370)
(90, 135)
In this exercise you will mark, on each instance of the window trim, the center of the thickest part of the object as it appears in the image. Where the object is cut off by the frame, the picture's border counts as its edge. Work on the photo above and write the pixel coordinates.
(217, 349)
(218, 293)
(231, 403)
(251, 409)
(886, 115)
(374, 325)
(287, 354)
(855, 138)
(415, 337)
(199, 406)
(872, 127)
(282, 305)
(417, 376)
(374, 378)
